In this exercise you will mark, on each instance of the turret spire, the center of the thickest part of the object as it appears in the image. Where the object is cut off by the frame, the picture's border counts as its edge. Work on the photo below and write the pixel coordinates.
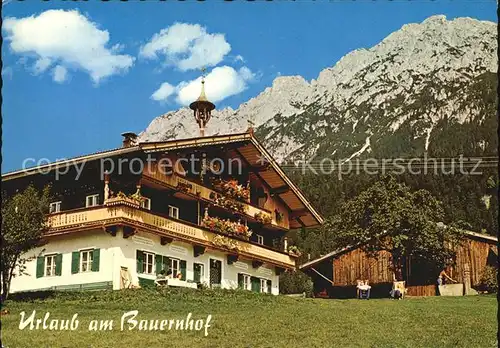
(202, 107)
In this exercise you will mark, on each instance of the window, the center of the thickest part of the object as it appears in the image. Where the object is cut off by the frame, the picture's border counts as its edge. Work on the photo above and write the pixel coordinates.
(146, 203)
(150, 263)
(245, 281)
(174, 267)
(54, 207)
(260, 239)
(92, 201)
(147, 266)
(86, 258)
(50, 265)
(173, 212)
(265, 285)
(199, 272)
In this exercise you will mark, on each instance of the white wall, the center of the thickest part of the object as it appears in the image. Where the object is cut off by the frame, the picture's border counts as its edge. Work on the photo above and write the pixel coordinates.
(65, 245)
(117, 252)
(184, 251)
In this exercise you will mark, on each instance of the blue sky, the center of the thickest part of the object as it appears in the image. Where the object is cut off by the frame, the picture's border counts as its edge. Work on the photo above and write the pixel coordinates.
(70, 107)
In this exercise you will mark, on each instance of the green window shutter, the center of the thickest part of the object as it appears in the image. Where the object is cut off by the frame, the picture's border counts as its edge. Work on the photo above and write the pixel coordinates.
(166, 263)
(255, 284)
(197, 273)
(183, 269)
(241, 283)
(58, 264)
(96, 260)
(40, 265)
(269, 286)
(159, 263)
(140, 260)
(75, 262)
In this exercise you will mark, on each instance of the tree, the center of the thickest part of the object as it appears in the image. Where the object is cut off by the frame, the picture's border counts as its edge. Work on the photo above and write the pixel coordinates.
(23, 223)
(389, 216)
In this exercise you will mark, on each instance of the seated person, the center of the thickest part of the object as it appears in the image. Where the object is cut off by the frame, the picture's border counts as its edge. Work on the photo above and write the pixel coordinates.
(358, 284)
(398, 289)
(396, 294)
(364, 288)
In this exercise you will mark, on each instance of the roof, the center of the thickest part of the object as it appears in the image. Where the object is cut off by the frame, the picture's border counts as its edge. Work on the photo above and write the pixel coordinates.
(254, 153)
(73, 160)
(251, 150)
(482, 236)
(338, 252)
(326, 257)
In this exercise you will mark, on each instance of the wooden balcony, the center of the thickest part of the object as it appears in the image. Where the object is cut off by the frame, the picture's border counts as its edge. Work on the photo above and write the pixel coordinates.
(194, 190)
(123, 214)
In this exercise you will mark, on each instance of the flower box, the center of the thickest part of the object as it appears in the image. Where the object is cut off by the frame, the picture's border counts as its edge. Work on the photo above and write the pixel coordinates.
(263, 218)
(122, 198)
(225, 242)
(184, 187)
(230, 204)
(226, 227)
(232, 189)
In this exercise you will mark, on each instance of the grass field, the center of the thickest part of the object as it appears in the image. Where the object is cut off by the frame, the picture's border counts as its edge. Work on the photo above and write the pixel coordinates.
(243, 319)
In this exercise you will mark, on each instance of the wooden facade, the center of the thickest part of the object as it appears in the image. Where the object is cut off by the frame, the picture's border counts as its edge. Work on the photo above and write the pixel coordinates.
(344, 268)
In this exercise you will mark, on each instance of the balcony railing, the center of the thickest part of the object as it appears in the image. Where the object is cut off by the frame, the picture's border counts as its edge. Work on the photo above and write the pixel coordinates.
(208, 194)
(116, 214)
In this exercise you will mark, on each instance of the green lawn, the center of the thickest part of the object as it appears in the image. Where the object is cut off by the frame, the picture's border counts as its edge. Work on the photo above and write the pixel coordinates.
(242, 319)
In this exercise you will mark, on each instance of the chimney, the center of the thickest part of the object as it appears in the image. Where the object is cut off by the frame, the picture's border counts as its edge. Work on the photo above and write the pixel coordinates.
(129, 139)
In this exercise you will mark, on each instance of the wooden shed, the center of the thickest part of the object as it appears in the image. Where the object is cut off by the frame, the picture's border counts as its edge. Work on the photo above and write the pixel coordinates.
(335, 275)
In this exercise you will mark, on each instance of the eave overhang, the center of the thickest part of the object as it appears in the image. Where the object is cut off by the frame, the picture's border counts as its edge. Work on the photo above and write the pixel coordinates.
(250, 149)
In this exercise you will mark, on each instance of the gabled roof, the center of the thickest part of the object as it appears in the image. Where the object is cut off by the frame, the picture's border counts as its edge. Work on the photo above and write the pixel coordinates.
(326, 257)
(254, 153)
(70, 161)
(251, 150)
(339, 252)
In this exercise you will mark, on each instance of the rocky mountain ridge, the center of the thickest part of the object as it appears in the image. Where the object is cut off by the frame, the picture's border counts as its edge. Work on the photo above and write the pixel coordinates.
(397, 98)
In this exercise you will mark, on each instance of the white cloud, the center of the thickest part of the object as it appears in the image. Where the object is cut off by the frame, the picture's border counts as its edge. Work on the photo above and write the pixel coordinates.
(60, 74)
(66, 38)
(41, 65)
(162, 93)
(220, 83)
(246, 74)
(8, 72)
(187, 46)
(239, 58)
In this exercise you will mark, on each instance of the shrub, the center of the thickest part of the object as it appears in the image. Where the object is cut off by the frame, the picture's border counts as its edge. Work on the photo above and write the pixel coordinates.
(295, 283)
(489, 281)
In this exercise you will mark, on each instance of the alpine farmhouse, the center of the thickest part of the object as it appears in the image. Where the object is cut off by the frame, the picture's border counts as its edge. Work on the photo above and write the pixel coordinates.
(212, 210)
